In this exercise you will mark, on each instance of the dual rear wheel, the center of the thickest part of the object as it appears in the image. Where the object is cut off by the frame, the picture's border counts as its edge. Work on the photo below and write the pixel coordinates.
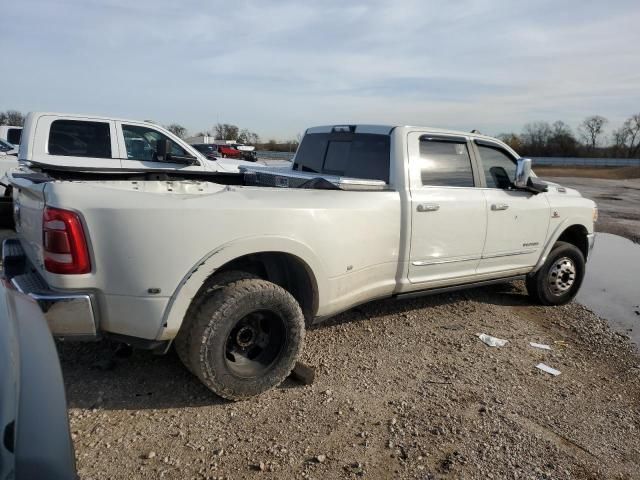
(243, 336)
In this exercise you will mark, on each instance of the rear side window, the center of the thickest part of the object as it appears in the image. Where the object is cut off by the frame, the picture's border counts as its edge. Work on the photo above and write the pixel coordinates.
(445, 163)
(77, 138)
(13, 135)
(356, 155)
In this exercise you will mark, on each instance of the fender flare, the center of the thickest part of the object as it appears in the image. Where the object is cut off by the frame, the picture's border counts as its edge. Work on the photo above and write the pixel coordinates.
(190, 284)
(553, 238)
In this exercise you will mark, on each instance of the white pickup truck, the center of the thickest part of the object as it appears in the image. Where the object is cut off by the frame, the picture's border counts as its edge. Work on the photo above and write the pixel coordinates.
(68, 141)
(231, 269)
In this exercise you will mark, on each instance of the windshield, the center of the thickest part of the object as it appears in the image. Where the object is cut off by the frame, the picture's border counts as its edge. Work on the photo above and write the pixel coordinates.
(5, 146)
(356, 155)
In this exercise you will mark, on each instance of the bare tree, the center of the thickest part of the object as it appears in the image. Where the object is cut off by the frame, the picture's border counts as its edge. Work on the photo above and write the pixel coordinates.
(247, 136)
(537, 135)
(226, 131)
(591, 130)
(177, 130)
(12, 117)
(631, 128)
(513, 140)
(562, 141)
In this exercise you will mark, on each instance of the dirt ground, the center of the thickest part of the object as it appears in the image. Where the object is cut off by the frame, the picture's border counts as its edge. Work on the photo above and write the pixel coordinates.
(403, 389)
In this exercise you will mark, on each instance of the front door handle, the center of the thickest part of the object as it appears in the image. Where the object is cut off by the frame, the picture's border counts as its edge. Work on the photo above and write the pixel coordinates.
(428, 207)
(499, 206)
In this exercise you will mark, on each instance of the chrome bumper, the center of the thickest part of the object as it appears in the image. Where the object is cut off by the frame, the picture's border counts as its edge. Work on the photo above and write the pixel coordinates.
(69, 315)
(591, 238)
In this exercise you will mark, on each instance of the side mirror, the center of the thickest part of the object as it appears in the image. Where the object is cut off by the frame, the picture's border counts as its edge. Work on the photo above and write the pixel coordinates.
(523, 172)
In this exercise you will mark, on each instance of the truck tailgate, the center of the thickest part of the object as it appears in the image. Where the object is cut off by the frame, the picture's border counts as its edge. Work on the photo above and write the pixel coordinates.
(29, 203)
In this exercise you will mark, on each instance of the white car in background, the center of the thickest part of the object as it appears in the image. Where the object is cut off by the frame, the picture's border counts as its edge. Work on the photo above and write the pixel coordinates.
(11, 134)
(68, 141)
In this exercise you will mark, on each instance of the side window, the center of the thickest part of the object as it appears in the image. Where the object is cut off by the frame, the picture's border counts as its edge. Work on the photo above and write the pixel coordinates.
(142, 143)
(445, 163)
(79, 138)
(13, 135)
(499, 168)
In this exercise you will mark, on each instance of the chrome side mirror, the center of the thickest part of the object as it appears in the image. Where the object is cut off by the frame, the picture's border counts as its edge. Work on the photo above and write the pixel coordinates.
(523, 172)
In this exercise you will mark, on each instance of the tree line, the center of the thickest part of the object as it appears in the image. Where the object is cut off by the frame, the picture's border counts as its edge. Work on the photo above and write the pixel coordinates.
(537, 139)
(12, 117)
(541, 139)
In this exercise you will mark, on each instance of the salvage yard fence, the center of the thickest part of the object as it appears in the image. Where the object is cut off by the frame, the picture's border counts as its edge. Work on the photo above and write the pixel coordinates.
(586, 162)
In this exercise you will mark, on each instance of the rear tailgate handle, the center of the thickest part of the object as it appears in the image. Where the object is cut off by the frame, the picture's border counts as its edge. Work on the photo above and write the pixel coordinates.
(499, 206)
(428, 207)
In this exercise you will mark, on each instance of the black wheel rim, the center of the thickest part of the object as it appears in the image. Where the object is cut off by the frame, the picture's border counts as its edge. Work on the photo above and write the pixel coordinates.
(255, 344)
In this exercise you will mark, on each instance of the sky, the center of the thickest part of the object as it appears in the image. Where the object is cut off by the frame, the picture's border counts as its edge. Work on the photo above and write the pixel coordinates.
(278, 67)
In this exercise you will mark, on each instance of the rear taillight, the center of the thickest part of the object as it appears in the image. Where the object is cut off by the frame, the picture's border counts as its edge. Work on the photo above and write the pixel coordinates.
(65, 246)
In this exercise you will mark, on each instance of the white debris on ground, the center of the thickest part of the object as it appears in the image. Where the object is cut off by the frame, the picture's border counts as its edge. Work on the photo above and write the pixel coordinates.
(548, 369)
(492, 341)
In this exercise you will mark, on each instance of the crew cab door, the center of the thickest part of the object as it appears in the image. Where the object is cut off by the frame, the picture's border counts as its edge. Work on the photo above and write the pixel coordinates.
(517, 220)
(448, 212)
(139, 145)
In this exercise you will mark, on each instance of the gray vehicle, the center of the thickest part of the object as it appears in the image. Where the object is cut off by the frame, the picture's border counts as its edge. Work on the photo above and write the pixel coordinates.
(36, 443)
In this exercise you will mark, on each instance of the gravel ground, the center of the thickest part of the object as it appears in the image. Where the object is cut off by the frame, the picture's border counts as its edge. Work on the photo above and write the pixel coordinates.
(617, 200)
(403, 389)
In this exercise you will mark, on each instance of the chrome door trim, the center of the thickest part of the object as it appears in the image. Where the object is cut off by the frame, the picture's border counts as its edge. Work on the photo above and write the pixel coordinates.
(423, 263)
(510, 254)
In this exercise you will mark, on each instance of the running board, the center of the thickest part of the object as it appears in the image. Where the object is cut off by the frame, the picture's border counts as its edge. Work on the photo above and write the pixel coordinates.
(453, 288)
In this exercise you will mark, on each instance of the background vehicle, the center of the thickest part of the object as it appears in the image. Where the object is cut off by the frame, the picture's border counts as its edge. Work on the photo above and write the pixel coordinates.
(90, 143)
(248, 152)
(233, 272)
(213, 151)
(209, 150)
(10, 134)
(35, 441)
(229, 151)
(7, 148)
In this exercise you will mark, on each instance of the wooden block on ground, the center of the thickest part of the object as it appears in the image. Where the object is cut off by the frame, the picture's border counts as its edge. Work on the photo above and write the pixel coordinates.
(303, 373)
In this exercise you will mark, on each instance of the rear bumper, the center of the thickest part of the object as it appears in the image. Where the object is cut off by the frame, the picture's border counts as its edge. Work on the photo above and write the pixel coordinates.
(69, 315)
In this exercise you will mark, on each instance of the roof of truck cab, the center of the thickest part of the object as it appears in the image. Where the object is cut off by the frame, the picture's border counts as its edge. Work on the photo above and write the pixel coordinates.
(88, 116)
(386, 129)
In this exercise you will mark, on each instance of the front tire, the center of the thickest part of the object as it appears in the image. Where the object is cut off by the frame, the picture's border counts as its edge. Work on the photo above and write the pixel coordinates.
(559, 279)
(245, 338)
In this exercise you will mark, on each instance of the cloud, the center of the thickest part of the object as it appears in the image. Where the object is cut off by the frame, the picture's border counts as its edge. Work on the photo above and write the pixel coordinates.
(279, 66)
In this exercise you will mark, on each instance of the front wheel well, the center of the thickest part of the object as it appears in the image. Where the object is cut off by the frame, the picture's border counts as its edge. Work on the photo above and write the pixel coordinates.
(284, 269)
(576, 235)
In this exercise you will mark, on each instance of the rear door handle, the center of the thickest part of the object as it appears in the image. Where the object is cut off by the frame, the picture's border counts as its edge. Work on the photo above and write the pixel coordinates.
(499, 206)
(428, 207)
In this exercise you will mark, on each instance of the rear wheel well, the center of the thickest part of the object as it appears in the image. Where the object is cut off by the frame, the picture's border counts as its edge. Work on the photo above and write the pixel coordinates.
(285, 270)
(576, 235)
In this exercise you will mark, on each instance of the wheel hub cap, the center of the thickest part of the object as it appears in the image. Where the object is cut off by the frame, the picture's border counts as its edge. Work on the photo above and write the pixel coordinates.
(562, 276)
(254, 344)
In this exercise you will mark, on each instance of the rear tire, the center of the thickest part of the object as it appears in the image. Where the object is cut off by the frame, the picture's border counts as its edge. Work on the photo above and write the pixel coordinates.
(183, 339)
(559, 279)
(245, 337)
